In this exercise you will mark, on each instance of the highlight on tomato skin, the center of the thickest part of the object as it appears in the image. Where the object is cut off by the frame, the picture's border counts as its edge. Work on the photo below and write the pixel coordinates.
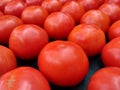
(63, 63)
(24, 78)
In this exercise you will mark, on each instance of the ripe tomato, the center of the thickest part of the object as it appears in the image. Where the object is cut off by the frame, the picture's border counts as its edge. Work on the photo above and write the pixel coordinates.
(90, 37)
(107, 78)
(27, 40)
(7, 60)
(24, 78)
(111, 53)
(63, 63)
(74, 9)
(88, 4)
(96, 17)
(33, 2)
(15, 8)
(7, 24)
(112, 10)
(3, 3)
(59, 25)
(51, 5)
(114, 30)
(34, 15)
(112, 1)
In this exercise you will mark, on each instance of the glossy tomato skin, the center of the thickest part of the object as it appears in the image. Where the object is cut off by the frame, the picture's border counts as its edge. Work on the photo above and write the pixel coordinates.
(74, 9)
(112, 10)
(63, 63)
(107, 78)
(58, 25)
(33, 2)
(114, 30)
(15, 8)
(90, 37)
(7, 24)
(51, 5)
(113, 1)
(7, 60)
(96, 17)
(88, 4)
(110, 54)
(34, 15)
(27, 40)
(26, 78)
(3, 4)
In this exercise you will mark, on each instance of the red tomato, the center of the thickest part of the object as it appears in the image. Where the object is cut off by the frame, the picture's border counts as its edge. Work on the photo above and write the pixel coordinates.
(51, 5)
(88, 4)
(74, 9)
(112, 10)
(15, 8)
(7, 24)
(59, 25)
(63, 63)
(114, 30)
(107, 78)
(7, 60)
(111, 53)
(3, 3)
(112, 1)
(33, 2)
(34, 15)
(96, 17)
(27, 40)
(24, 78)
(90, 37)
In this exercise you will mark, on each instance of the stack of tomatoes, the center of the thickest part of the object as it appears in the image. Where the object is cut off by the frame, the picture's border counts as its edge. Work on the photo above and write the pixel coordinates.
(60, 36)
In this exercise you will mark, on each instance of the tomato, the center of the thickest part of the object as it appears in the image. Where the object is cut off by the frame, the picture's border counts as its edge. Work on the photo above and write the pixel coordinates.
(74, 9)
(90, 37)
(34, 15)
(88, 4)
(51, 5)
(63, 63)
(107, 78)
(114, 30)
(24, 78)
(110, 54)
(112, 1)
(64, 1)
(7, 24)
(96, 17)
(7, 60)
(27, 40)
(33, 2)
(112, 10)
(58, 25)
(15, 8)
(3, 3)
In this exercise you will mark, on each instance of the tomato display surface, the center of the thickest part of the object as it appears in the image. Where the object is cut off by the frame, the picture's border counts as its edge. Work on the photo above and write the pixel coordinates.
(58, 25)
(110, 54)
(34, 15)
(107, 78)
(64, 63)
(8, 60)
(27, 40)
(96, 17)
(7, 24)
(114, 30)
(24, 78)
(90, 37)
